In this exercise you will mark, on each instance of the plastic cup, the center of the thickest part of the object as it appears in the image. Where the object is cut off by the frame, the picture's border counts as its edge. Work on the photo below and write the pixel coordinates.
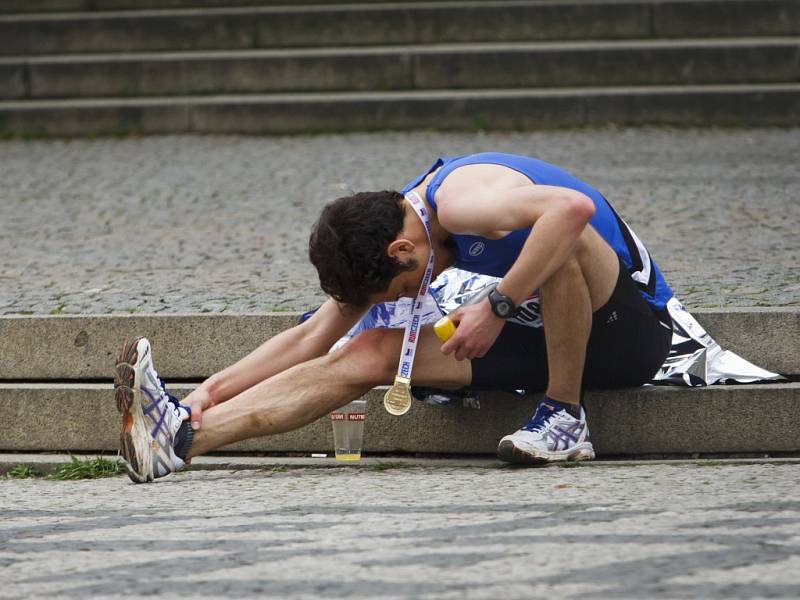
(348, 430)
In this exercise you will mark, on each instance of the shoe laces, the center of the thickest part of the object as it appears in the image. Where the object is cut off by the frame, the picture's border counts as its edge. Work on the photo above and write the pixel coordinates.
(165, 395)
(181, 411)
(540, 420)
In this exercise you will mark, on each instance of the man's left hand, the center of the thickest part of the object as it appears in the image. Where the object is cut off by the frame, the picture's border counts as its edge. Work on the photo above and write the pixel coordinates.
(476, 331)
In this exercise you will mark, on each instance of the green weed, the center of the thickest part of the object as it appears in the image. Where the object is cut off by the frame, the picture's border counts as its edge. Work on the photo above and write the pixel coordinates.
(384, 466)
(93, 468)
(277, 468)
(21, 472)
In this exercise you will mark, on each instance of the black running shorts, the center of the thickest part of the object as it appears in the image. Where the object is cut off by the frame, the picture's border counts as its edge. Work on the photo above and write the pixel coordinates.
(628, 344)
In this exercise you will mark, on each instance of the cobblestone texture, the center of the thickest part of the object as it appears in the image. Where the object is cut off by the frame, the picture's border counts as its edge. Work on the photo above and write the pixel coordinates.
(651, 531)
(216, 224)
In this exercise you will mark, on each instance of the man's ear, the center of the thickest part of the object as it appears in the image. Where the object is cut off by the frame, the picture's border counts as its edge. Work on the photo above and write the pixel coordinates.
(401, 249)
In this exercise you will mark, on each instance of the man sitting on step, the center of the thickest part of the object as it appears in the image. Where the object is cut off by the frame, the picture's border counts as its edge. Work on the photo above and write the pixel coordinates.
(538, 228)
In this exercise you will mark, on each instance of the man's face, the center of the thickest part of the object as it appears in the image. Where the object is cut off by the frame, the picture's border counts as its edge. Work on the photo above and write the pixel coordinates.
(405, 284)
(411, 247)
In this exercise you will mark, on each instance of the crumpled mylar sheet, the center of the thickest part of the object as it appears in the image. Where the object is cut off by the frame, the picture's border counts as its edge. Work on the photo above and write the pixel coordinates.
(695, 359)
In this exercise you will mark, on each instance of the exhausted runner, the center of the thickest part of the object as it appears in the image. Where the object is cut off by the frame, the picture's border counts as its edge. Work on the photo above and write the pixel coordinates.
(538, 228)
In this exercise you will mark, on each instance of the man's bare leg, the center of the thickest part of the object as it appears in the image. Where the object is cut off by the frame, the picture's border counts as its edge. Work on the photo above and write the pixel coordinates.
(581, 286)
(312, 389)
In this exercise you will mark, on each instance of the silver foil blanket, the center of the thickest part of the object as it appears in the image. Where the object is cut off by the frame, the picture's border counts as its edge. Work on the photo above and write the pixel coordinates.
(695, 358)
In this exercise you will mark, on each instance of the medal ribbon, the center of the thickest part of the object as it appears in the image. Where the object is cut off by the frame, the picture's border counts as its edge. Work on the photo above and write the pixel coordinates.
(409, 349)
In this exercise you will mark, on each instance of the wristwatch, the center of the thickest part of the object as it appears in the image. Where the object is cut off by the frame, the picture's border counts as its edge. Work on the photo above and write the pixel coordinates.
(502, 305)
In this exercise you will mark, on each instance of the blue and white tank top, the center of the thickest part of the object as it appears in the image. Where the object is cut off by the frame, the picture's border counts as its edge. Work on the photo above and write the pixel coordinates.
(495, 257)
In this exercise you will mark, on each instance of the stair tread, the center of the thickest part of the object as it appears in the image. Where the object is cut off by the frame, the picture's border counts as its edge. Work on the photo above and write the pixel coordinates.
(469, 47)
(410, 95)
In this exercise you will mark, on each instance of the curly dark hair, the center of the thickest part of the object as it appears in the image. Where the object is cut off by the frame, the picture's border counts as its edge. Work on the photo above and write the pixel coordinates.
(348, 245)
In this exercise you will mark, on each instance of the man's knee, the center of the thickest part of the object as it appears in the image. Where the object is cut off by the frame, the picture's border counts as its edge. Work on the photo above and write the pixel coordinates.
(568, 273)
(592, 266)
(374, 354)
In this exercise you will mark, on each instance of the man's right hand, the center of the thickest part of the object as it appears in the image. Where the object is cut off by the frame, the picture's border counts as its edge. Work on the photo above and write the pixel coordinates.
(198, 401)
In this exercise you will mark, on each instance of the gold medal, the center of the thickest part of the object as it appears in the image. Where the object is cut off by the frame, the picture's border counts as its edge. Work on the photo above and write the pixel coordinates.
(397, 400)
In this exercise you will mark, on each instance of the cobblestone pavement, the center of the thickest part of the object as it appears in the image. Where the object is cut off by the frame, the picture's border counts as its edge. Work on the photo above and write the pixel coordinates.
(601, 531)
(215, 224)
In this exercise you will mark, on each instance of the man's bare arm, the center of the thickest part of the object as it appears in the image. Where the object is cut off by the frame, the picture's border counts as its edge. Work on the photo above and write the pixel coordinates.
(301, 343)
(560, 216)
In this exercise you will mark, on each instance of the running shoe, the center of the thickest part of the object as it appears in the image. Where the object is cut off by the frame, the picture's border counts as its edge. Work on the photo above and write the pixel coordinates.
(150, 416)
(551, 435)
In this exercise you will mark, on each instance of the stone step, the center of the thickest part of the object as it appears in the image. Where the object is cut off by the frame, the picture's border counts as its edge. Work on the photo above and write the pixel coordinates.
(63, 348)
(50, 6)
(386, 24)
(642, 421)
(443, 110)
(515, 65)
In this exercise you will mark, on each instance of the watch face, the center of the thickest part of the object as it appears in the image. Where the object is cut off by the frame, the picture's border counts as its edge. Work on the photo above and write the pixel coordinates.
(502, 306)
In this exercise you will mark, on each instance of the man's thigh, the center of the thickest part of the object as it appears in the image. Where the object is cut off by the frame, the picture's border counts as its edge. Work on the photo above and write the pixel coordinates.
(431, 367)
(599, 265)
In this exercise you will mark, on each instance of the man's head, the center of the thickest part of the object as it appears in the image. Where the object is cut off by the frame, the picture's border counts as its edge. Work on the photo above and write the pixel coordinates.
(350, 245)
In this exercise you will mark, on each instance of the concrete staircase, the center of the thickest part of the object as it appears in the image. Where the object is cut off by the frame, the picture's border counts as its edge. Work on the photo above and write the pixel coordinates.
(56, 392)
(146, 66)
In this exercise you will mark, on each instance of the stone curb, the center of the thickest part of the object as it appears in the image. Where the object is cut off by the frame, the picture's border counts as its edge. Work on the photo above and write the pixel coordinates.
(632, 422)
(44, 464)
(664, 62)
(64, 348)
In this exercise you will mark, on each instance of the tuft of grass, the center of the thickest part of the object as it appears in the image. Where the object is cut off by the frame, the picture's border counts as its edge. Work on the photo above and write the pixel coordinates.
(709, 463)
(93, 468)
(278, 468)
(21, 472)
(384, 466)
(570, 465)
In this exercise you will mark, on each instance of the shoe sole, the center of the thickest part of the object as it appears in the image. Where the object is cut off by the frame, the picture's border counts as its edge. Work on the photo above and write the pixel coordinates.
(130, 407)
(508, 452)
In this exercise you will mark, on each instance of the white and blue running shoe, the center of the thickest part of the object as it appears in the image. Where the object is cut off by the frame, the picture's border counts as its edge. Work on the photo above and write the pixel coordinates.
(551, 435)
(150, 417)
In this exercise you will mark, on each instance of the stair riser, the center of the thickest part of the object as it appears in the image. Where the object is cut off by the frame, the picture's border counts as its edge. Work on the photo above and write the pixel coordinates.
(622, 422)
(406, 24)
(734, 107)
(85, 347)
(45, 6)
(399, 71)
